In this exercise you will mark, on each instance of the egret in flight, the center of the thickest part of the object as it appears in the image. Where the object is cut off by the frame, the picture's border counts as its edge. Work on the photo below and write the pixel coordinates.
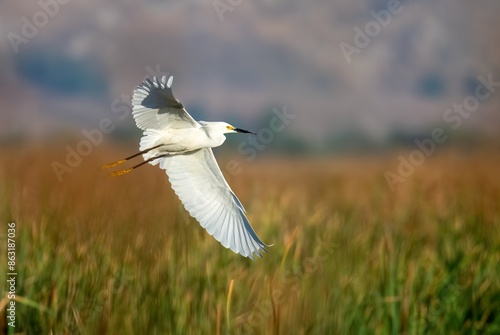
(183, 148)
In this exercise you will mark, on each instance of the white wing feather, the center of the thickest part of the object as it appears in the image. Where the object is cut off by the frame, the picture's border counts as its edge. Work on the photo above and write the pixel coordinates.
(155, 107)
(201, 187)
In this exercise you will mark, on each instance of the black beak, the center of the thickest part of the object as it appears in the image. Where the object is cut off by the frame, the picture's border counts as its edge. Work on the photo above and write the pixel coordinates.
(239, 130)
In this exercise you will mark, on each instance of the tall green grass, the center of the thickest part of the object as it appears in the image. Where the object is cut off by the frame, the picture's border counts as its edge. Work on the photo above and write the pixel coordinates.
(99, 255)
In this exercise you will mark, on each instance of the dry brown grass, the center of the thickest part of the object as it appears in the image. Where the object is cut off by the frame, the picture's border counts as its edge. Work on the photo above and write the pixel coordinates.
(120, 255)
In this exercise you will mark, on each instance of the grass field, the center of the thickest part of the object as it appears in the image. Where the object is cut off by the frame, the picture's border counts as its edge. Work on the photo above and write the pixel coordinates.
(101, 255)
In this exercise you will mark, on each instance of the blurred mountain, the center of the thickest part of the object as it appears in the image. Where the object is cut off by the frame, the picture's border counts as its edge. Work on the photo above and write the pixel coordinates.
(279, 53)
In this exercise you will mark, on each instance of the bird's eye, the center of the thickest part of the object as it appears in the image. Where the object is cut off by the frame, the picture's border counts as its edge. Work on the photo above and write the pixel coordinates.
(229, 128)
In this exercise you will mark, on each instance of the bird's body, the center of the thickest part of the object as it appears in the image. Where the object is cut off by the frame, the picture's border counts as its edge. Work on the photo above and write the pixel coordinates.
(179, 141)
(182, 147)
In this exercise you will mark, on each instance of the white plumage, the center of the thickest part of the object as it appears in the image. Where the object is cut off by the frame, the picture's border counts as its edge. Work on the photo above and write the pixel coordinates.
(182, 147)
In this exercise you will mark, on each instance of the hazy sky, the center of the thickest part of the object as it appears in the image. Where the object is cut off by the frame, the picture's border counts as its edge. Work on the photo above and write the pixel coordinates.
(375, 65)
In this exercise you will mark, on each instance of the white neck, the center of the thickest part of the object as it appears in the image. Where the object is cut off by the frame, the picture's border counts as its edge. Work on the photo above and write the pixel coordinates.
(216, 138)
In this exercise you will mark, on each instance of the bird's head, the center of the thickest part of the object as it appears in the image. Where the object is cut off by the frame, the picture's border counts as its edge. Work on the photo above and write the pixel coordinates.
(227, 128)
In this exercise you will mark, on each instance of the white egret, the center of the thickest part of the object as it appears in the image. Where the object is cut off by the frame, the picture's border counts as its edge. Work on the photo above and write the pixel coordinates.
(182, 147)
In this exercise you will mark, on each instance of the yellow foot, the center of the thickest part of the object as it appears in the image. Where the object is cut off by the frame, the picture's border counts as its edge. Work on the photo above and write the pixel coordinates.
(114, 164)
(119, 173)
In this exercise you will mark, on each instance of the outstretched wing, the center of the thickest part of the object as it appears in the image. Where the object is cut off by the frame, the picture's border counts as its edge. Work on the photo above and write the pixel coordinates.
(201, 187)
(155, 107)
